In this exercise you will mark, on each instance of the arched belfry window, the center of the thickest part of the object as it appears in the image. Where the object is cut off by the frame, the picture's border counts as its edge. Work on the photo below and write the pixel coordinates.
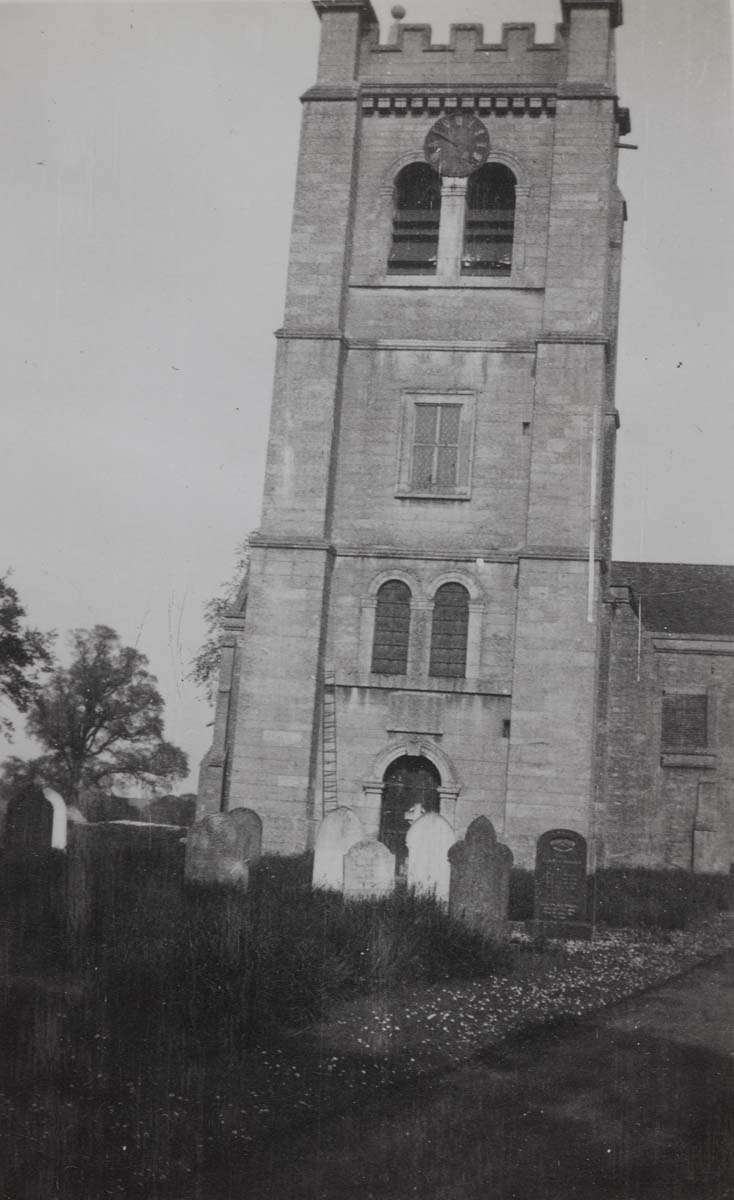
(490, 221)
(449, 631)
(392, 629)
(416, 216)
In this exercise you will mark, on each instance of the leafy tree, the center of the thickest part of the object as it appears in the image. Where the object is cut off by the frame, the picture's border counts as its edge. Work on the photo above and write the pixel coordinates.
(24, 654)
(230, 598)
(101, 720)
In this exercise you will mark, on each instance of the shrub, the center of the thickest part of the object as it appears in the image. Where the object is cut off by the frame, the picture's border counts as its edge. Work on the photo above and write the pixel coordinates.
(666, 899)
(32, 896)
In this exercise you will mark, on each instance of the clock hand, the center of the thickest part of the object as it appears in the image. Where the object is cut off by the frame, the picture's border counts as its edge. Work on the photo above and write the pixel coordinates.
(443, 136)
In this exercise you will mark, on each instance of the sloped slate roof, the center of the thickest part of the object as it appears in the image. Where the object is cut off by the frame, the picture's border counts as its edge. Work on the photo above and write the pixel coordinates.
(681, 597)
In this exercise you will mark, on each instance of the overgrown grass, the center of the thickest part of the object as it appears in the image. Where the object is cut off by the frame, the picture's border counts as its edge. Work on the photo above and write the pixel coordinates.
(245, 965)
(217, 965)
(172, 1045)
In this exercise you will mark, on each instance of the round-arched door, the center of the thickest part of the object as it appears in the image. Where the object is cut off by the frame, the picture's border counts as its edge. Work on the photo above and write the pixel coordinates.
(407, 782)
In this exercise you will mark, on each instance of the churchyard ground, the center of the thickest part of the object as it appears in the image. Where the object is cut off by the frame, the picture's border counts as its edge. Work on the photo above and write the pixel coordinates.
(188, 1029)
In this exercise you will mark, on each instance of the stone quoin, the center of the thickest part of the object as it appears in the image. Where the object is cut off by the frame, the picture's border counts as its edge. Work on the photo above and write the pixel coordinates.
(431, 614)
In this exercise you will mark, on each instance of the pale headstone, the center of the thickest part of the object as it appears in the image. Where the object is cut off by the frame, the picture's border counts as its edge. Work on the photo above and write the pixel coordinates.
(369, 871)
(218, 849)
(429, 840)
(338, 832)
(560, 908)
(480, 879)
(60, 817)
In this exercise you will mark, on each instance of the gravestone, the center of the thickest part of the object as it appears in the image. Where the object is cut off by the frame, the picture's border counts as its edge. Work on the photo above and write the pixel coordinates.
(61, 814)
(369, 871)
(338, 832)
(480, 879)
(560, 908)
(220, 848)
(250, 827)
(429, 840)
(29, 823)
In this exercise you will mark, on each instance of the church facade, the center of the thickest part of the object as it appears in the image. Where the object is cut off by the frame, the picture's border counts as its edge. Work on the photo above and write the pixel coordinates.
(431, 613)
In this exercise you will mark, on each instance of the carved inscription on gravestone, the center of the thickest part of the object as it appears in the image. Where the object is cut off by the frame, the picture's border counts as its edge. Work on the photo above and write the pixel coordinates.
(369, 871)
(560, 879)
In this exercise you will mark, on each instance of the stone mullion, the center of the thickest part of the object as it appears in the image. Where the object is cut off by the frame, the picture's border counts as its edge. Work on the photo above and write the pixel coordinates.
(451, 229)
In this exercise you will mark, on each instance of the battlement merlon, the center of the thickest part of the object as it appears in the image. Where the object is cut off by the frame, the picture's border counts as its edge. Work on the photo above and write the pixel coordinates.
(583, 52)
(591, 25)
(344, 24)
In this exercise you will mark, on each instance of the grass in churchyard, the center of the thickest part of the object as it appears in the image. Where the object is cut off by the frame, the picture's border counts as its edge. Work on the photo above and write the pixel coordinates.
(150, 1030)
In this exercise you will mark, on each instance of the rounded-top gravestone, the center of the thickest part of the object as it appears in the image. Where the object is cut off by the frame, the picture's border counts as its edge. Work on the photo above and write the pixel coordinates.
(369, 871)
(429, 840)
(35, 821)
(560, 908)
(338, 832)
(221, 847)
(250, 828)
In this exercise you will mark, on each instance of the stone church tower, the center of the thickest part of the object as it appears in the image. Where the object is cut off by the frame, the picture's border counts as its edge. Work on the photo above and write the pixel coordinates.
(424, 614)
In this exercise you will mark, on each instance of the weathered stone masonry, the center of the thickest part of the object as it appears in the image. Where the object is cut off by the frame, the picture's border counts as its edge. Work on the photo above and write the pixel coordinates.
(525, 353)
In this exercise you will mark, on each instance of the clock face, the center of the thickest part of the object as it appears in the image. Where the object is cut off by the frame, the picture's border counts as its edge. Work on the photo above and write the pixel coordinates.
(457, 145)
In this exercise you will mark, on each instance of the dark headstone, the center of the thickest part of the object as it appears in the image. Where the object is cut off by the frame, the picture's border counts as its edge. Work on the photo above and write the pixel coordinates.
(221, 848)
(250, 827)
(480, 879)
(28, 823)
(560, 885)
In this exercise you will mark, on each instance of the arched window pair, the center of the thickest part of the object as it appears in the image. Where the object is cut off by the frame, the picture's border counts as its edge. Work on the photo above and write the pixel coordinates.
(488, 225)
(449, 630)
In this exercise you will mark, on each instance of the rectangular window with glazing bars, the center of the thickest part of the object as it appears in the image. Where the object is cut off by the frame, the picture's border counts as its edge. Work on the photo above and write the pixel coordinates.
(436, 447)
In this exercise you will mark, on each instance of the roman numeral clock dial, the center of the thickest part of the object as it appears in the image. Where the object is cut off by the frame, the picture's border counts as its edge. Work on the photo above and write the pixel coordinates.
(457, 145)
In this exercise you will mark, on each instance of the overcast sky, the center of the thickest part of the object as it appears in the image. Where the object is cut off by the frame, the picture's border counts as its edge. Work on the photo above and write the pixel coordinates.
(148, 158)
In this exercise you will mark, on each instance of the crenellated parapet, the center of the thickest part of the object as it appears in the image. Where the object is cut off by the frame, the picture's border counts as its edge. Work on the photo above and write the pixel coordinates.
(581, 55)
(412, 56)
